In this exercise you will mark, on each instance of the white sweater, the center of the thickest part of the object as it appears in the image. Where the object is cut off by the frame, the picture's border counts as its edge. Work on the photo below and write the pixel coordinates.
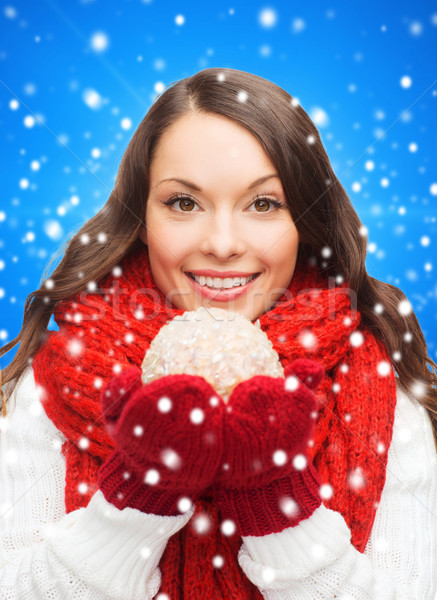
(100, 552)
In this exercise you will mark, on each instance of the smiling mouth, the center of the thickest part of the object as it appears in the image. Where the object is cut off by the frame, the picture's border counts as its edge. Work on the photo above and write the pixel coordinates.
(225, 283)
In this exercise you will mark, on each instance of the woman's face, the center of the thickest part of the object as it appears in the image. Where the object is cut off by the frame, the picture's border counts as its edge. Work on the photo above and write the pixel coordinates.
(212, 220)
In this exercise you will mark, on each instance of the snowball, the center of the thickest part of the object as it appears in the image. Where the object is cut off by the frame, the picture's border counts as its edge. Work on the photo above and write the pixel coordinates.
(406, 81)
(413, 147)
(189, 343)
(369, 165)
(326, 252)
(179, 19)
(83, 443)
(138, 430)
(242, 96)
(433, 189)
(116, 271)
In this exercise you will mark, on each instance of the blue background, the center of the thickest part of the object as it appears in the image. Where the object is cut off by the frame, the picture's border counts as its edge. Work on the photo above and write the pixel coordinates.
(78, 77)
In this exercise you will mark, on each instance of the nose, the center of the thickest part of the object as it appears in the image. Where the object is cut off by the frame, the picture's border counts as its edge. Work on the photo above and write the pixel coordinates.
(222, 237)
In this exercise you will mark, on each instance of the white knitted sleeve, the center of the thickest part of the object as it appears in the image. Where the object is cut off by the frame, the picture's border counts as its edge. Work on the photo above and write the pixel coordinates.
(315, 559)
(94, 553)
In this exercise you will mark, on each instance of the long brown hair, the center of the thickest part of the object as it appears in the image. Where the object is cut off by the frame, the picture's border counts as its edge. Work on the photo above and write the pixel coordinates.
(318, 205)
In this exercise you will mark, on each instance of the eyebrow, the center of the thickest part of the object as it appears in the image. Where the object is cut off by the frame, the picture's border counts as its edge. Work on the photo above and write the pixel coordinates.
(193, 186)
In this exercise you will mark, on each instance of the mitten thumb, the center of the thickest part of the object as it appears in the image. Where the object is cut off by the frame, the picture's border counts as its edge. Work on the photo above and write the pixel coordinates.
(309, 372)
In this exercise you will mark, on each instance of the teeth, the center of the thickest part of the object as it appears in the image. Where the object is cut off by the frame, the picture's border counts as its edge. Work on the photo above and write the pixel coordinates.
(218, 282)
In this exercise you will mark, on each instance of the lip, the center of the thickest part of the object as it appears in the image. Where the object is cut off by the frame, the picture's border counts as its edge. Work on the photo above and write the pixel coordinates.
(223, 295)
(221, 274)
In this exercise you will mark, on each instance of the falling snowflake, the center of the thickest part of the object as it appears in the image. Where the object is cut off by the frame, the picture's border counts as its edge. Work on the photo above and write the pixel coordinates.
(184, 504)
(74, 347)
(356, 479)
(356, 339)
(201, 524)
(152, 477)
(291, 383)
(197, 416)
(164, 404)
(288, 506)
(383, 368)
(308, 340)
(299, 462)
(279, 458)
(145, 552)
(268, 575)
(82, 488)
(171, 459)
(228, 527)
(83, 443)
(218, 561)
(326, 491)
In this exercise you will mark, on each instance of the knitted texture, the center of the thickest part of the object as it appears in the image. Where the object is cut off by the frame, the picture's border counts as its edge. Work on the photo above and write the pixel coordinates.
(108, 331)
(267, 483)
(166, 450)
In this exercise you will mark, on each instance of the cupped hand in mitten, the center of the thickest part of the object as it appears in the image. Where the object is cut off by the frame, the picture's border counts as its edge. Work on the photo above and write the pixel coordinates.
(266, 481)
(168, 437)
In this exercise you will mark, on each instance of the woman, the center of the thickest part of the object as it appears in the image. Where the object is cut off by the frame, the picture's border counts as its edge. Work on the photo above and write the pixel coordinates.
(321, 484)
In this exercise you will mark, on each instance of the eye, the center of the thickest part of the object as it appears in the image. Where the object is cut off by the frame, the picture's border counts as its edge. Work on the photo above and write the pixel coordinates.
(185, 202)
(264, 203)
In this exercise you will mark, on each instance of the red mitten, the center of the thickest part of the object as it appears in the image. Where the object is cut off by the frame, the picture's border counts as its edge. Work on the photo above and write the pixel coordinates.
(169, 441)
(266, 482)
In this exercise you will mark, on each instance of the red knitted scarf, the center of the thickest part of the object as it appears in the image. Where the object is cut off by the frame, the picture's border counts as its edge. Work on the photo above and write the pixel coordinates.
(102, 333)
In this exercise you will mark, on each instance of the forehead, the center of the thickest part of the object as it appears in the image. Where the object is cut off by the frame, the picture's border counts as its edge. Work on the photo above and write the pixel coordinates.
(199, 143)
